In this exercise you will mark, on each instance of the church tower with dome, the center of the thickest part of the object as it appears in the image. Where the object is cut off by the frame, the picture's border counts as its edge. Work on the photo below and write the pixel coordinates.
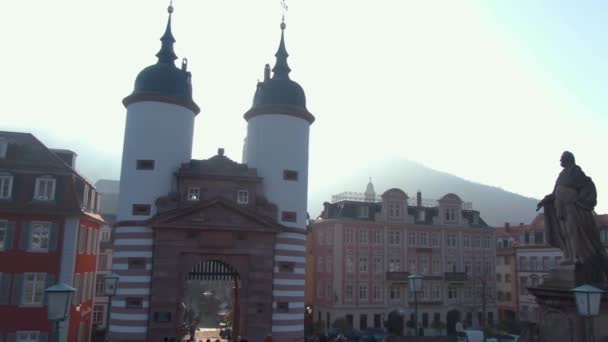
(158, 139)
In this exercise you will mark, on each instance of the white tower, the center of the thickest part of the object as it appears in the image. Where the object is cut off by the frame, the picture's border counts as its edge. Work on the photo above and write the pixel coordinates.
(158, 139)
(277, 145)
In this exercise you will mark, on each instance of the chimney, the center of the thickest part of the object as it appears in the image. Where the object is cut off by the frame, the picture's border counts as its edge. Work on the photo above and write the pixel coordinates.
(266, 72)
(521, 224)
(419, 198)
(220, 151)
(507, 225)
(69, 157)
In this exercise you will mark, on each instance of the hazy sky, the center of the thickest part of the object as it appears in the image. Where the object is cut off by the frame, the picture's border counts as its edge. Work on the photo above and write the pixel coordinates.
(489, 91)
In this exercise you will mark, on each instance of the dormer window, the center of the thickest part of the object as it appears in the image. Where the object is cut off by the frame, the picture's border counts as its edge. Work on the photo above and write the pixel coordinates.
(45, 188)
(6, 186)
(363, 211)
(243, 197)
(3, 148)
(422, 215)
(194, 194)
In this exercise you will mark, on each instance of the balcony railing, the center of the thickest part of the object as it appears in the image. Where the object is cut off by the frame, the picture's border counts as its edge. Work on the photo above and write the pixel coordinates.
(397, 276)
(455, 276)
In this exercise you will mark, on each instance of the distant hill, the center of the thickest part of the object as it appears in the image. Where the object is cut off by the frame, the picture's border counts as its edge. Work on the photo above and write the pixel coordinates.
(495, 205)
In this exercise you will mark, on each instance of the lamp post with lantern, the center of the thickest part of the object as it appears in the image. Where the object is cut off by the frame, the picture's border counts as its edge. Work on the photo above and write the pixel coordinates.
(110, 282)
(58, 299)
(415, 282)
(588, 300)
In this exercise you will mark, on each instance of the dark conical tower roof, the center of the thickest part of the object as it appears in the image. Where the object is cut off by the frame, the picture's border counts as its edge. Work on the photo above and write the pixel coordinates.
(279, 94)
(163, 81)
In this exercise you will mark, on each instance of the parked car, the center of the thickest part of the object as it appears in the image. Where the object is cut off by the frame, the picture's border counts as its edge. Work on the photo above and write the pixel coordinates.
(473, 336)
(373, 335)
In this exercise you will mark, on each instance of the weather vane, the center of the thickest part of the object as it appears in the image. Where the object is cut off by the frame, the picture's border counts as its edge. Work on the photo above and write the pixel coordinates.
(285, 8)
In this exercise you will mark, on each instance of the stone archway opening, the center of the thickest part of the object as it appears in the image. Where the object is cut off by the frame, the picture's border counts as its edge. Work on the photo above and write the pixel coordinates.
(211, 301)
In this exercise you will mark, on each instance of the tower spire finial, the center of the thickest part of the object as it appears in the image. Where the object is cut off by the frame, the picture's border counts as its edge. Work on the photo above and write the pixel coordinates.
(166, 53)
(281, 69)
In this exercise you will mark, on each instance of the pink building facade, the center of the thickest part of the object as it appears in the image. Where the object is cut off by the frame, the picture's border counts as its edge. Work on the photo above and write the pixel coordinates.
(364, 248)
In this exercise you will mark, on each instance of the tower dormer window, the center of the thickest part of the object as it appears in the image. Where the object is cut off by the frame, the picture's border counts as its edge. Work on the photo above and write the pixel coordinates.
(85, 199)
(45, 188)
(194, 194)
(6, 186)
(363, 211)
(243, 197)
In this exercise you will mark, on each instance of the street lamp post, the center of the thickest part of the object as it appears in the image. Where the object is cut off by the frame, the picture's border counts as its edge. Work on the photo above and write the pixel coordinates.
(58, 299)
(110, 284)
(415, 282)
(588, 300)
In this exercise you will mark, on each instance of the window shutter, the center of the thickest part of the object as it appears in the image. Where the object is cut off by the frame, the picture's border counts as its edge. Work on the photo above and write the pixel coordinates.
(5, 286)
(43, 337)
(10, 236)
(54, 234)
(25, 236)
(11, 337)
(48, 282)
(17, 288)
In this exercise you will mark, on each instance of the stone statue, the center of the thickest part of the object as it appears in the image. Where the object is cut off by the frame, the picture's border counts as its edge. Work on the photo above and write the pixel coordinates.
(570, 221)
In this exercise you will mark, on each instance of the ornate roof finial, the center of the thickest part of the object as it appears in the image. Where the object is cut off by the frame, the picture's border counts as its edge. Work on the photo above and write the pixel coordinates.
(281, 69)
(166, 53)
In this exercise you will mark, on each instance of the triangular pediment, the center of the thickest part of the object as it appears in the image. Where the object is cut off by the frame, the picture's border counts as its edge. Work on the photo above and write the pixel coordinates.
(216, 214)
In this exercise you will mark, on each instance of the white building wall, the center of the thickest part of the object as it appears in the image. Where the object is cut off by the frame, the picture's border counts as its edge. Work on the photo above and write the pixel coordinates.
(274, 143)
(156, 131)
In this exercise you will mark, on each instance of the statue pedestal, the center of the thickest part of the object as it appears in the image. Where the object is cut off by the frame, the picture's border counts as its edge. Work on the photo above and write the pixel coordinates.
(559, 319)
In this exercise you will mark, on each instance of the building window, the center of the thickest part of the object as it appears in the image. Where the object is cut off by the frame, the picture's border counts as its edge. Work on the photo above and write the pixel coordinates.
(288, 216)
(363, 293)
(424, 264)
(534, 263)
(498, 277)
(33, 288)
(105, 236)
(508, 296)
(394, 237)
(436, 264)
(467, 266)
(436, 292)
(476, 241)
(85, 197)
(4, 236)
(377, 264)
(243, 198)
(283, 307)
(329, 264)
(6, 186)
(134, 302)
(290, 175)
(39, 236)
(363, 264)
(423, 238)
(28, 336)
(523, 263)
(100, 285)
(141, 210)
(363, 211)
(435, 239)
(376, 294)
(451, 241)
(319, 290)
(45, 189)
(377, 237)
(507, 278)
(349, 235)
(411, 238)
(349, 292)
(328, 293)
(425, 320)
(136, 263)
(523, 284)
(452, 292)
(363, 236)
(286, 267)
(194, 194)
(98, 314)
(320, 264)
(350, 267)
(395, 292)
(394, 265)
(145, 164)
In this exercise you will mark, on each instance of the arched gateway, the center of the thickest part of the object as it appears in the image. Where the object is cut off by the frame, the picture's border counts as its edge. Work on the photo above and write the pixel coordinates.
(216, 237)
